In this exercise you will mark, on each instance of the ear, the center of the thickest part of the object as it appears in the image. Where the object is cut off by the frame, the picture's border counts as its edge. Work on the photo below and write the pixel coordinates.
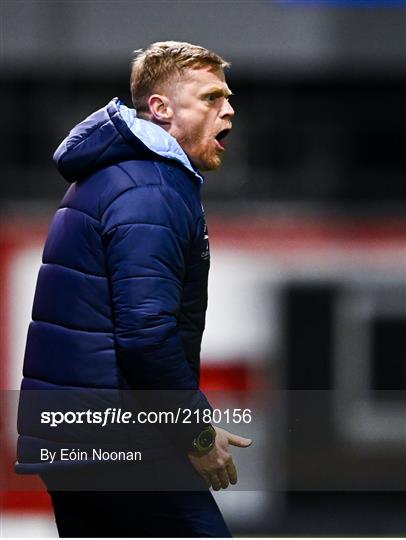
(160, 108)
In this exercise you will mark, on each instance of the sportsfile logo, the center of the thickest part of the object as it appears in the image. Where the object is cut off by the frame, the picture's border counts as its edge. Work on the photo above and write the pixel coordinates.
(113, 415)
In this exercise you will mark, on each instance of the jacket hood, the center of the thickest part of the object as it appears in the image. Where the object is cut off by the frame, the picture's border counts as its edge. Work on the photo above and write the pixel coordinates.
(113, 134)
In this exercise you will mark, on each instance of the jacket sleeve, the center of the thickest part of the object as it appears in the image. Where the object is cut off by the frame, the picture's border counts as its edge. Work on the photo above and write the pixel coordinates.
(148, 232)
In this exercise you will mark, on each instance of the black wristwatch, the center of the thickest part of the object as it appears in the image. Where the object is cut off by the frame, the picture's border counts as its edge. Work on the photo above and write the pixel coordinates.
(204, 442)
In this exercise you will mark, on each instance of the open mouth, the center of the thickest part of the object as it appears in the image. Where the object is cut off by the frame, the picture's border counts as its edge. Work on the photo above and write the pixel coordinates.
(221, 136)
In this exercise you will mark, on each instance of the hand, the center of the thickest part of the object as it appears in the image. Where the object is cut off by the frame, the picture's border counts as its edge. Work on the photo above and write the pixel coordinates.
(217, 467)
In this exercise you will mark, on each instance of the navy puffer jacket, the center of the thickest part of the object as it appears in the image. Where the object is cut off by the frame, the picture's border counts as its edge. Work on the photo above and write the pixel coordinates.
(122, 292)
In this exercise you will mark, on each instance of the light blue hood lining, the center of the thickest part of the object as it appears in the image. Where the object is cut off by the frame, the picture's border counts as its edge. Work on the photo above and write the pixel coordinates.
(156, 138)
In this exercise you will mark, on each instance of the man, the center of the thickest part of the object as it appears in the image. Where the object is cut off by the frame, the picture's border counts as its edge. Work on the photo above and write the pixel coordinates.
(122, 292)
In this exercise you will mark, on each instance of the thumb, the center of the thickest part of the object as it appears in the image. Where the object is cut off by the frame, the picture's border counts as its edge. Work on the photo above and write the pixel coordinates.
(236, 440)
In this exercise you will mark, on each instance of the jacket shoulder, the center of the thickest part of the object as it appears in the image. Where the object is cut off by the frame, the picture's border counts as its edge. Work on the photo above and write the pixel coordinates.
(96, 192)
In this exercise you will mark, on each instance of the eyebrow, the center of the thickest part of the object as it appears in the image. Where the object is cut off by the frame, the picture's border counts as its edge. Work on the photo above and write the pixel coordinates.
(218, 92)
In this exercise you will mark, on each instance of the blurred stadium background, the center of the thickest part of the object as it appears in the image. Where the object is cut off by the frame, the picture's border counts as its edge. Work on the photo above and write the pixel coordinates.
(307, 226)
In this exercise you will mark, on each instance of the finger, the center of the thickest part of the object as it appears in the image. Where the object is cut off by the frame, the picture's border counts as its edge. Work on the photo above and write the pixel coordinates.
(236, 440)
(215, 482)
(223, 477)
(232, 472)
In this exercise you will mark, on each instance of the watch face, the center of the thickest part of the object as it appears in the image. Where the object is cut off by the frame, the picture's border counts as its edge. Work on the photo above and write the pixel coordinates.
(206, 439)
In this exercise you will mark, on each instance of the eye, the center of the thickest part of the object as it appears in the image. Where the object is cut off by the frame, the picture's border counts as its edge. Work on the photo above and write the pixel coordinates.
(212, 98)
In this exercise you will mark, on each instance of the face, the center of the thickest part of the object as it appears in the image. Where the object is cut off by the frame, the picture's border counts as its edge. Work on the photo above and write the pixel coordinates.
(201, 115)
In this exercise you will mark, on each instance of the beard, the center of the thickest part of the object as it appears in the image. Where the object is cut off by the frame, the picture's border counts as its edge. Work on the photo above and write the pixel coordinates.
(211, 163)
(202, 153)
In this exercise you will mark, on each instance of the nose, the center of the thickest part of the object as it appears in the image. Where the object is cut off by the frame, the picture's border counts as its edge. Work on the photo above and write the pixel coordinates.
(227, 110)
